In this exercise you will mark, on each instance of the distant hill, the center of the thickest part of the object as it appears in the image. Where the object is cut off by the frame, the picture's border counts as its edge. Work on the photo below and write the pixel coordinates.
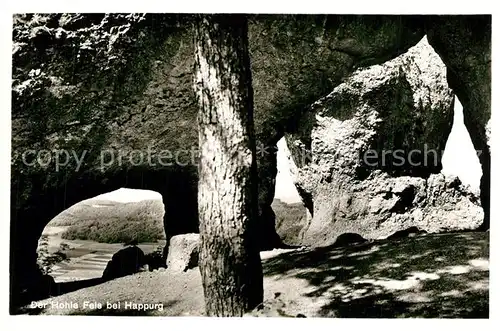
(111, 221)
(291, 220)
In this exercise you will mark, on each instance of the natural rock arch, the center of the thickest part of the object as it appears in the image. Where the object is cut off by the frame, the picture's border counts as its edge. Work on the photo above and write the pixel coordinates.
(368, 155)
(136, 92)
(464, 45)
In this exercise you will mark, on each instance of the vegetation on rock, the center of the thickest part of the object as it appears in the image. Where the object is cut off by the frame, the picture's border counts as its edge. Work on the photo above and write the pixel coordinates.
(46, 260)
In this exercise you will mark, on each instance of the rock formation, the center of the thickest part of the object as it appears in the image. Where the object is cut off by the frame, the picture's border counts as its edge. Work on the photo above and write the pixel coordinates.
(126, 261)
(183, 252)
(368, 155)
(464, 45)
(115, 91)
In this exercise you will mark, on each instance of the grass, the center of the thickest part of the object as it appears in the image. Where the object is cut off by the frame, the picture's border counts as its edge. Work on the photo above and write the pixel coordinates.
(113, 222)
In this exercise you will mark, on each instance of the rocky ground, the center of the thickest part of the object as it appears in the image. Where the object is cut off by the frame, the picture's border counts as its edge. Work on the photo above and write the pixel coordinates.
(438, 275)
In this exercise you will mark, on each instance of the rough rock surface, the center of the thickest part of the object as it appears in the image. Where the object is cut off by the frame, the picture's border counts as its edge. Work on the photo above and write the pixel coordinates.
(464, 44)
(125, 262)
(121, 83)
(366, 155)
(183, 252)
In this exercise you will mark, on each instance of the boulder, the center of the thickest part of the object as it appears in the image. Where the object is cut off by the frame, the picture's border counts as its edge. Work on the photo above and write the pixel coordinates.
(407, 233)
(183, 252)
(349, 239)
(367, 157)
(126, 261)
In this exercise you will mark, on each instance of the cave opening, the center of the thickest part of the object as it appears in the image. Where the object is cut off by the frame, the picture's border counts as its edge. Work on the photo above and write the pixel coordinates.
(459, 157)
(292, 208)
(77, 245)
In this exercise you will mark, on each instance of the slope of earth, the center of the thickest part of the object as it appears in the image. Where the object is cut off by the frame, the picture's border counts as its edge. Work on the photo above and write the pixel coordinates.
(439, 275)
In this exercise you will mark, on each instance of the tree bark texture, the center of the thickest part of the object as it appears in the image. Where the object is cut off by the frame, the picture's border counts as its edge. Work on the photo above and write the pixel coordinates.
(230, 263)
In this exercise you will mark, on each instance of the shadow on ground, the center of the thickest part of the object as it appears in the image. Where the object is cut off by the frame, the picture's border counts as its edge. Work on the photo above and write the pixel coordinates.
(66, 287)
(431, 276)
(126, 261)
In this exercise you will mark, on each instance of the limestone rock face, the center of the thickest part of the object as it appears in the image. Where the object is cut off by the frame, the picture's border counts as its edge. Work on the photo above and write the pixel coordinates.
(126, 261)
(464, 44)
(367, 156)
(183, 252)
(115, 91)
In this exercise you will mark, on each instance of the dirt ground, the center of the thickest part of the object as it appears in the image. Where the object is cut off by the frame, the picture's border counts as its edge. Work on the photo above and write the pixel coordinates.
(442, 275)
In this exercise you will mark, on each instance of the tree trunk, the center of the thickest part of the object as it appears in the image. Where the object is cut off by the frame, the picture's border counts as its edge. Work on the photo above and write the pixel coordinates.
(227, 191)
